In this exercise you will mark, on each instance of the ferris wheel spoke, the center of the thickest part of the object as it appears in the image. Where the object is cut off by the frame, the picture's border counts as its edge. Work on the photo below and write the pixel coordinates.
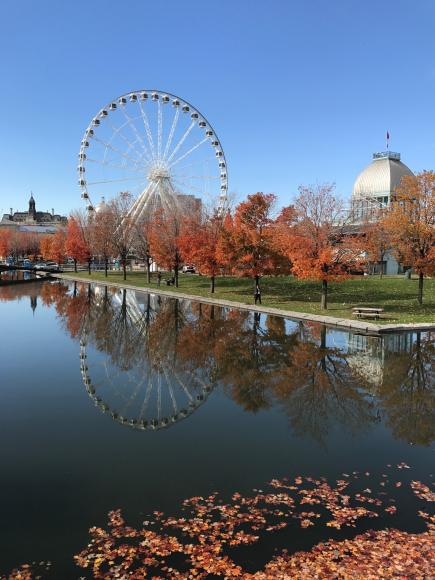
(132, 397)
(118, 132)
(188, 185)
(147, 395)
(159, 128)
(181, 141)
(116, 150)
(177, 175)
(116, 180)
(147, 129)
(114, 165)
(183, 386)
(159, 397)
(171, 133)
(171, 392)
(137, 134)
(194, 163)
(191, 150)
(141, 204)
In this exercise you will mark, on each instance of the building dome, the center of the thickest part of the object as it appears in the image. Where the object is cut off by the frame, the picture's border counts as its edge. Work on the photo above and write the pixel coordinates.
(381, 177)
(102, 206)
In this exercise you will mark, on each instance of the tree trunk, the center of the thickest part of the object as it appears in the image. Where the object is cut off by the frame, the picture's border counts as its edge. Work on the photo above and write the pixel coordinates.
(124, 269)
(323, 347)
(89, 267)
(212, 284)
(75, 265)
(420, 288)
(324, 298)
(323, 336)
(105, 266)
(176, 276)
(148, 271)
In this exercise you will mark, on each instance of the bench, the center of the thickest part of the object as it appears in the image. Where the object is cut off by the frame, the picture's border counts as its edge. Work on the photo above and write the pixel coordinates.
(363, 312)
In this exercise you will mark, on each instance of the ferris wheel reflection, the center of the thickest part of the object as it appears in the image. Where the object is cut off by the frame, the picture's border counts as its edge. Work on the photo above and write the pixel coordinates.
(132, 364)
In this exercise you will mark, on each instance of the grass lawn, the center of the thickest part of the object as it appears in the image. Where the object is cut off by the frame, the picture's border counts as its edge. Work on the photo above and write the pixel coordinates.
(395, 294)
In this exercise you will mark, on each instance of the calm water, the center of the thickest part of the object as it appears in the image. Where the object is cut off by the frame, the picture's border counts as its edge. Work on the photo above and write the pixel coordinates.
(120, 399)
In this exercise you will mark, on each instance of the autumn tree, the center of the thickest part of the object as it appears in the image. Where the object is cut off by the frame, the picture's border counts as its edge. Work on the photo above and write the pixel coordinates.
(103, 231)
(58, 246)
(123, 227)
(247, 240)
(199, 244)
(142, 243)
(76, 244)
(5, 238)
(45, 246)
(315, 242)
(410, 222)
(28, 243)
(165, 239)
(376, 241)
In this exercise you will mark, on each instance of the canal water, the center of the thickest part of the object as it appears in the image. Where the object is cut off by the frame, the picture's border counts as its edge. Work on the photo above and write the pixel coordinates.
(116, 399)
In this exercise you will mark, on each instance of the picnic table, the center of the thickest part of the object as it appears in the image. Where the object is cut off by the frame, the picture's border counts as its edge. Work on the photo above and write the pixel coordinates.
(366, 312)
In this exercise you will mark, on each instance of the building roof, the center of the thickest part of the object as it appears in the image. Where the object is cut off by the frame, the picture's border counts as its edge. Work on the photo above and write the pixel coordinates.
(382, 176)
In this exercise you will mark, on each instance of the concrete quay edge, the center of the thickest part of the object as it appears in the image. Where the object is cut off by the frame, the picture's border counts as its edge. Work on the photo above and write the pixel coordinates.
(331, 321)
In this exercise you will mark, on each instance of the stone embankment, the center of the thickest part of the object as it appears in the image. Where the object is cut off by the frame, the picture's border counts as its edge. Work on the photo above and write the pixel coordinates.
(349, 324)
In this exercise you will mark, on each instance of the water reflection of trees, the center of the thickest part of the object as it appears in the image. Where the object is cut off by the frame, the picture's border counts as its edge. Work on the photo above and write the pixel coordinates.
(409, 399)
(261, 361)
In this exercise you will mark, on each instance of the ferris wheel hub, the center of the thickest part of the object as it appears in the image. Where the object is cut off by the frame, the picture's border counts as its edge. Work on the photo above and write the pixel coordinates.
(158, 172)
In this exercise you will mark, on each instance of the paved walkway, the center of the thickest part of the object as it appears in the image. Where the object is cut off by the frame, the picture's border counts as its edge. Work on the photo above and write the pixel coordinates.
(354, 325)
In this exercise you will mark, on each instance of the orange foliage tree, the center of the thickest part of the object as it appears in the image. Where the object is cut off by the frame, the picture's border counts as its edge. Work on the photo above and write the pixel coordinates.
(410, 222)
(103, 231)
(76, 244)
(45, 246)
(142, 243)
(315, 242)
(5, 240)
(165, 240)
(123, 228)
(58, 246)
(247, 244)
(199, 244)
(376, 241)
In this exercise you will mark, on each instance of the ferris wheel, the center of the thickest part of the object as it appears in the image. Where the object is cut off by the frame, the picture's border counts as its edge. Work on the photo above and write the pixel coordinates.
(158, 147)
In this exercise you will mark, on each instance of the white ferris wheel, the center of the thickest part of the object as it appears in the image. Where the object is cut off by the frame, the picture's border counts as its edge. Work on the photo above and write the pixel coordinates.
(158, 147)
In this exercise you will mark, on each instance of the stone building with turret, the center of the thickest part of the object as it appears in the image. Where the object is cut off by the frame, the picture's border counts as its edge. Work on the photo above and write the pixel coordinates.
(33, 217)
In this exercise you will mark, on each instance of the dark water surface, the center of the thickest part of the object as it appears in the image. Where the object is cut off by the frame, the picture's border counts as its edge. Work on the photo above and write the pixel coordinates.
(8, 275)
(115, 399)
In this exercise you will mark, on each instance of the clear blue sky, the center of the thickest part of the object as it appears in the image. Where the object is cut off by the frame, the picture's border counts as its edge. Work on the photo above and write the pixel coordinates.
(298, 91)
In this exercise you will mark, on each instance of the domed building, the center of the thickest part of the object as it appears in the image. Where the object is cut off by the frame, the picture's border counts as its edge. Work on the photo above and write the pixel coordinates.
(375, 184)
(372, 191)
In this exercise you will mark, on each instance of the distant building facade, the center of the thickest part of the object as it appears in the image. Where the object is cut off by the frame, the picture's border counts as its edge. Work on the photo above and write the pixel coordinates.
(33, 217)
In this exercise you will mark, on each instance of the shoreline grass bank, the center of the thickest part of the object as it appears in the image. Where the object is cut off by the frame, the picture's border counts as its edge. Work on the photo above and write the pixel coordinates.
(396, 295)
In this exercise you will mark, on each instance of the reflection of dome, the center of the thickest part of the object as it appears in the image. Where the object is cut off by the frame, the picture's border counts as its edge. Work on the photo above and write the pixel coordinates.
(381, 177)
